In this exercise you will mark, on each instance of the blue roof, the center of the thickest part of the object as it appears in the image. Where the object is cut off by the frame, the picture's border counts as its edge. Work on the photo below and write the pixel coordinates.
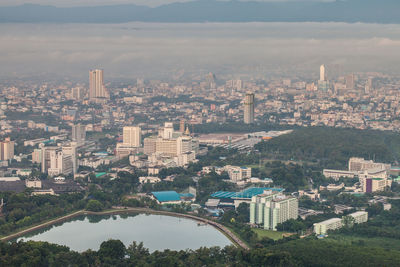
(247, 193)
(165, 196)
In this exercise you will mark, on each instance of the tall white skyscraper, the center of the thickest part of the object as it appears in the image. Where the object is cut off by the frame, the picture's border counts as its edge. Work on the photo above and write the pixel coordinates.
(132, 136)
(70, 149)
(96, 85)
(249, 108)
(322, 74)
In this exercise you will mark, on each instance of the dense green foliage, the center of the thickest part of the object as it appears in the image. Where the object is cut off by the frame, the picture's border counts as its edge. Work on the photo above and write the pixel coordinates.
(332, 147)
(23, 210)
(384, 224)
(306, 252)
(114, 253)
(309, 252)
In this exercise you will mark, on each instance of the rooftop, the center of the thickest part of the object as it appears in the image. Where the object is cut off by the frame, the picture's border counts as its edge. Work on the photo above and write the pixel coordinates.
(165, 196)
(247, 193)
(333, 220)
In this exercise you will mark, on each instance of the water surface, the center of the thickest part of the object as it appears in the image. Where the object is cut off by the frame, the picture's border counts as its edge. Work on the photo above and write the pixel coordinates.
(157, 232)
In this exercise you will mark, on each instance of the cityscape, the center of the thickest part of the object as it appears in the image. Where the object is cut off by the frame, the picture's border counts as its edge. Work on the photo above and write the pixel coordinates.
(192, 159)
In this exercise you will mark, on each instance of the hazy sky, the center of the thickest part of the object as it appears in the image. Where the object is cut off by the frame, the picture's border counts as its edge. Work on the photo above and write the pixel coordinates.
(160, 50)
(68, 3)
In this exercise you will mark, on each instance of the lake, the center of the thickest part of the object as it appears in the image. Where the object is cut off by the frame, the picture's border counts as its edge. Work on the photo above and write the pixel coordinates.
(157, 232)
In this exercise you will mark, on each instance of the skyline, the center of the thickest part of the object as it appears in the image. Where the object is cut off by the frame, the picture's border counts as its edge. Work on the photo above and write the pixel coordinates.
(160, 51)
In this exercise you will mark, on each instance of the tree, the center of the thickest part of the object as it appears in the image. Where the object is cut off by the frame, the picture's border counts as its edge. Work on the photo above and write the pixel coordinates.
(94, 205)
(113, 249)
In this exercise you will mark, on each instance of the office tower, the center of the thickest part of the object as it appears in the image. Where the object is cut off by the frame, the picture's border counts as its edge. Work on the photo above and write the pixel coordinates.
(78, 134)
(149, 145)
(322, 74)
(77, 93)
(70, 149)
(211, 80)
(55, 161)
(249, 108)
(271, 208)
(183, 144)
(96, 85)
(131, 136)
(6, 149)
(350, 82)
(369, 86)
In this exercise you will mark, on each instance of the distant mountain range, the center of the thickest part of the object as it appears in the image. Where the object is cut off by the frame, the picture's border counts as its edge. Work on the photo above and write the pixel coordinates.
(369, 11)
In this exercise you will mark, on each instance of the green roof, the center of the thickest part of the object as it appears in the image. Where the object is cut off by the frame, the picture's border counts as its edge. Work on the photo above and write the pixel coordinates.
(99, 174)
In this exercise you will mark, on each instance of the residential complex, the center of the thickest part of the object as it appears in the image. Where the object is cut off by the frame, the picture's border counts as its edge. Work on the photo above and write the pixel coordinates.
(271, 208)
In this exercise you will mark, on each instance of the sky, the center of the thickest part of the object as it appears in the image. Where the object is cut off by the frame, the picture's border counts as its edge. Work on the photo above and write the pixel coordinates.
(69, 3)
(157, 50)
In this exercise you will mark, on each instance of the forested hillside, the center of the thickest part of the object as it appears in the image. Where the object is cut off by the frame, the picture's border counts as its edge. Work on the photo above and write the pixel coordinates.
(332, 147)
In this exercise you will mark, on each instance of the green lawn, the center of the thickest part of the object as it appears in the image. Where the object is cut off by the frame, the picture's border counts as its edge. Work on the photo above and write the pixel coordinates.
(382, 242)
(268, 233)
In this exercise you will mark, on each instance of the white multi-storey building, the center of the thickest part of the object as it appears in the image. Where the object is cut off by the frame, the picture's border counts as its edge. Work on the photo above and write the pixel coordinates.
(271, 208)
(132, 136)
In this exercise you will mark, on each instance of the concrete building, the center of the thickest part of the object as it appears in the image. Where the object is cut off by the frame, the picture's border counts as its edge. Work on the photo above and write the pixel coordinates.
(96, 85)
(249, 108)
(78, 133)
(56, 162)
(322, 74)
(149, 145)
(7, 149)
(336, 174)
(359, 216)
(322, 228)
(350, 82)
(132, 136)
(237, 173)
(37, 156)
(70, 149)
(77, 93)
(371, 185)
(360, 164)
(271, 208)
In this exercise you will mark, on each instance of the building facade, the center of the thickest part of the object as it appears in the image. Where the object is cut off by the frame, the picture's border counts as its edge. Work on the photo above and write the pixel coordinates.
(96, 85)
(6, 149)
(132, 136)
(271, 208)
(249, 108)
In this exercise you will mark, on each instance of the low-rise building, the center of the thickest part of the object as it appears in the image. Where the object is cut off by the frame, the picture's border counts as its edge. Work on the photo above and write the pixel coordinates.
(359, 216)
(322, 228)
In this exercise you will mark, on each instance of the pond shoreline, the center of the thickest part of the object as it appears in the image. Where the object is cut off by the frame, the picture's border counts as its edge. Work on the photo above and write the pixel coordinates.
(121, 210)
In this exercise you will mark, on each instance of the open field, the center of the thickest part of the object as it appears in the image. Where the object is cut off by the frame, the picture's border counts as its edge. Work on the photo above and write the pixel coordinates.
(275, 235)
(382, 242)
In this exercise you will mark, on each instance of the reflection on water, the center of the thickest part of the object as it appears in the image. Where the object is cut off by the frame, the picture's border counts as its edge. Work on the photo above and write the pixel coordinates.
(157, 232)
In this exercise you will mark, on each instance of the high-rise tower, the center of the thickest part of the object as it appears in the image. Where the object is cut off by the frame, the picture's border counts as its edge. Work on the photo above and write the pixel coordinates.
(249, 108)
(132, 136)
(96, 85)
(322, 74)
